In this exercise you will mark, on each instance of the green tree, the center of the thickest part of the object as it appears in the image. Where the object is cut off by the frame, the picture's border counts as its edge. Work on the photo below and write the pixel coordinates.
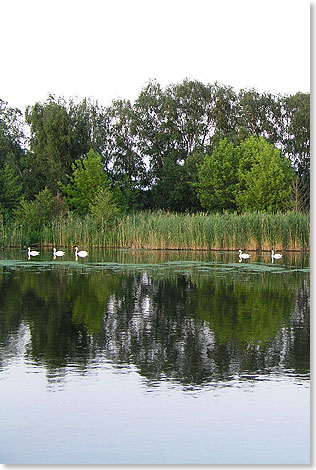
(40, 211)
(191, 105)
(104, 208)
(12, 137)
(125, 164)
(265, 177)
(87, 179)
(60, 133)
(50, 155)
(297, 142)
(174, 190)
(10, 188)
(260, 114)
(218, 178)
(154, 128)
(124, 158)
(225, 115)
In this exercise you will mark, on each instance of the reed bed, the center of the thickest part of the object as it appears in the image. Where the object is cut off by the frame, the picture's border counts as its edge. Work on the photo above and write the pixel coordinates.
(166, 230)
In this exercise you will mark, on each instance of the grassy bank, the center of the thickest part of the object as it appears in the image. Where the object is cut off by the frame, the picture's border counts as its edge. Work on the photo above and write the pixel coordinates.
(162, 230)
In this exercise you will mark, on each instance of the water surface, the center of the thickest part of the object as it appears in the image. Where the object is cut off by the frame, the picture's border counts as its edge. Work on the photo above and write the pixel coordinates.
(156, 357)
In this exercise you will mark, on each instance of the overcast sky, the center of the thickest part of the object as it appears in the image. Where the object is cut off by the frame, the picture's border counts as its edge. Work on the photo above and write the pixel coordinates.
(108, 49)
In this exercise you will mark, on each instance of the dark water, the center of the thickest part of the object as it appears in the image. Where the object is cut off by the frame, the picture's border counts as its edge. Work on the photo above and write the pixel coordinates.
(154, 358)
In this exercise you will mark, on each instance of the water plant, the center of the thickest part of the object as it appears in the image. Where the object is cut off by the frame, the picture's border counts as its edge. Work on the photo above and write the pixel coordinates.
(168, 230)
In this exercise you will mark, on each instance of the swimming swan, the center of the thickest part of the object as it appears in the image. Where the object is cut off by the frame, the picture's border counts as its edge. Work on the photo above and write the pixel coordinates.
(243, 255)
(81, 253)
(275, 255)
(58, 253)
(32, 252)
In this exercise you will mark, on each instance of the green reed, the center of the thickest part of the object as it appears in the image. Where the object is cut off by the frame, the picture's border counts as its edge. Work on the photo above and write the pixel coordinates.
(167, 230)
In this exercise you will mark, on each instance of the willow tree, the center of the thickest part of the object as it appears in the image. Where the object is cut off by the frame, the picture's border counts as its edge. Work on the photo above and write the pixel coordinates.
(60, 132)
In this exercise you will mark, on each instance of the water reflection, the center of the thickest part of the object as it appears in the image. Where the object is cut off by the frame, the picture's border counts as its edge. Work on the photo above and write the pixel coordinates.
(192, 323)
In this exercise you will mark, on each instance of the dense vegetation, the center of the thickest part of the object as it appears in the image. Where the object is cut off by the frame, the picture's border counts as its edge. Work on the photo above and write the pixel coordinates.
(167, 230)
(185, 149)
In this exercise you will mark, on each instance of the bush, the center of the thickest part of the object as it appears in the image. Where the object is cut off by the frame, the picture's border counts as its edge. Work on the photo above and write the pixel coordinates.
(42, 210)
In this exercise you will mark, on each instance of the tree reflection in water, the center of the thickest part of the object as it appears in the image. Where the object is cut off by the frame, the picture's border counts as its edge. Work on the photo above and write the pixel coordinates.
(193, 327)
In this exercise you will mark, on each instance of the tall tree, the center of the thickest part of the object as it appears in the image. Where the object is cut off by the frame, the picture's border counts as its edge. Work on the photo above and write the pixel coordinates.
(12, 138)
(52, 145)
(153, 127)
(191, 110)
(225, 115)
(125, 164)
(297, 141)
(61, 132)
(260, 114)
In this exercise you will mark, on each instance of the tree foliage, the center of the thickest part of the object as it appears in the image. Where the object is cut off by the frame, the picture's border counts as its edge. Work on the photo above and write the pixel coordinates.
(218, 178)
(251, 176)
(12, 136)
(151, 150)
(40, 211)
(10, 188)
(265, 177)
(61, 132)
(104, 208)
(86, 181)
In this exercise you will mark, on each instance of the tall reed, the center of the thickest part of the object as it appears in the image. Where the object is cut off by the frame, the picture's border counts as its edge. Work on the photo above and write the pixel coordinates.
(166, 230)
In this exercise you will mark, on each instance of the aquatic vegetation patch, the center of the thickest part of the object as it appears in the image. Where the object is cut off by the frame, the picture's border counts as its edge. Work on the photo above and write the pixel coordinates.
(178, 267)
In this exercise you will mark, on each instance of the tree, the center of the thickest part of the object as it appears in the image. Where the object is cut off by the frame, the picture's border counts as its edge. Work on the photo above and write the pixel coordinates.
(225, 115)
(42, 210)
(260, 114)
(104, 207)
(154, 128)
(174, 190)
(265, 177)
(190, 108)
(297, 141)
(60, 133)
(12, 137)
(146, 146)
(218, 178)
(251, 176)
(10, 189)
(87, 179)
(125, 165)
(50, 155)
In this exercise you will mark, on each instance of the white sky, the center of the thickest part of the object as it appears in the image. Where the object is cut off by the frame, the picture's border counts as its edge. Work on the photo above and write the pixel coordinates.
(108, 49)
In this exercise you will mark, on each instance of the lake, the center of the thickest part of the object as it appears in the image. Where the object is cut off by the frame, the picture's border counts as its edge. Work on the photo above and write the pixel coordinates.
(154, 357)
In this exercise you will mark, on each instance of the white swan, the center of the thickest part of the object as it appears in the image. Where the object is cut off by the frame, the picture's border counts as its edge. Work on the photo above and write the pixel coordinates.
(243, 255)
(58, 253)
(275, 255)
(32, 252)
(81, 253)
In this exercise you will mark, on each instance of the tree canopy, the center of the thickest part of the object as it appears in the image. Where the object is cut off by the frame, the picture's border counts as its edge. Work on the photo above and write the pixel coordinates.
(184, 147)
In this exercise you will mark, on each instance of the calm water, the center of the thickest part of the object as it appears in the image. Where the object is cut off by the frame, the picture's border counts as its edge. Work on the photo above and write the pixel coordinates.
(154, 358)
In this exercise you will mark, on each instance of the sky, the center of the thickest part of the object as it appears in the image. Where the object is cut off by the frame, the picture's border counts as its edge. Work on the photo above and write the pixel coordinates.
(110, 49)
